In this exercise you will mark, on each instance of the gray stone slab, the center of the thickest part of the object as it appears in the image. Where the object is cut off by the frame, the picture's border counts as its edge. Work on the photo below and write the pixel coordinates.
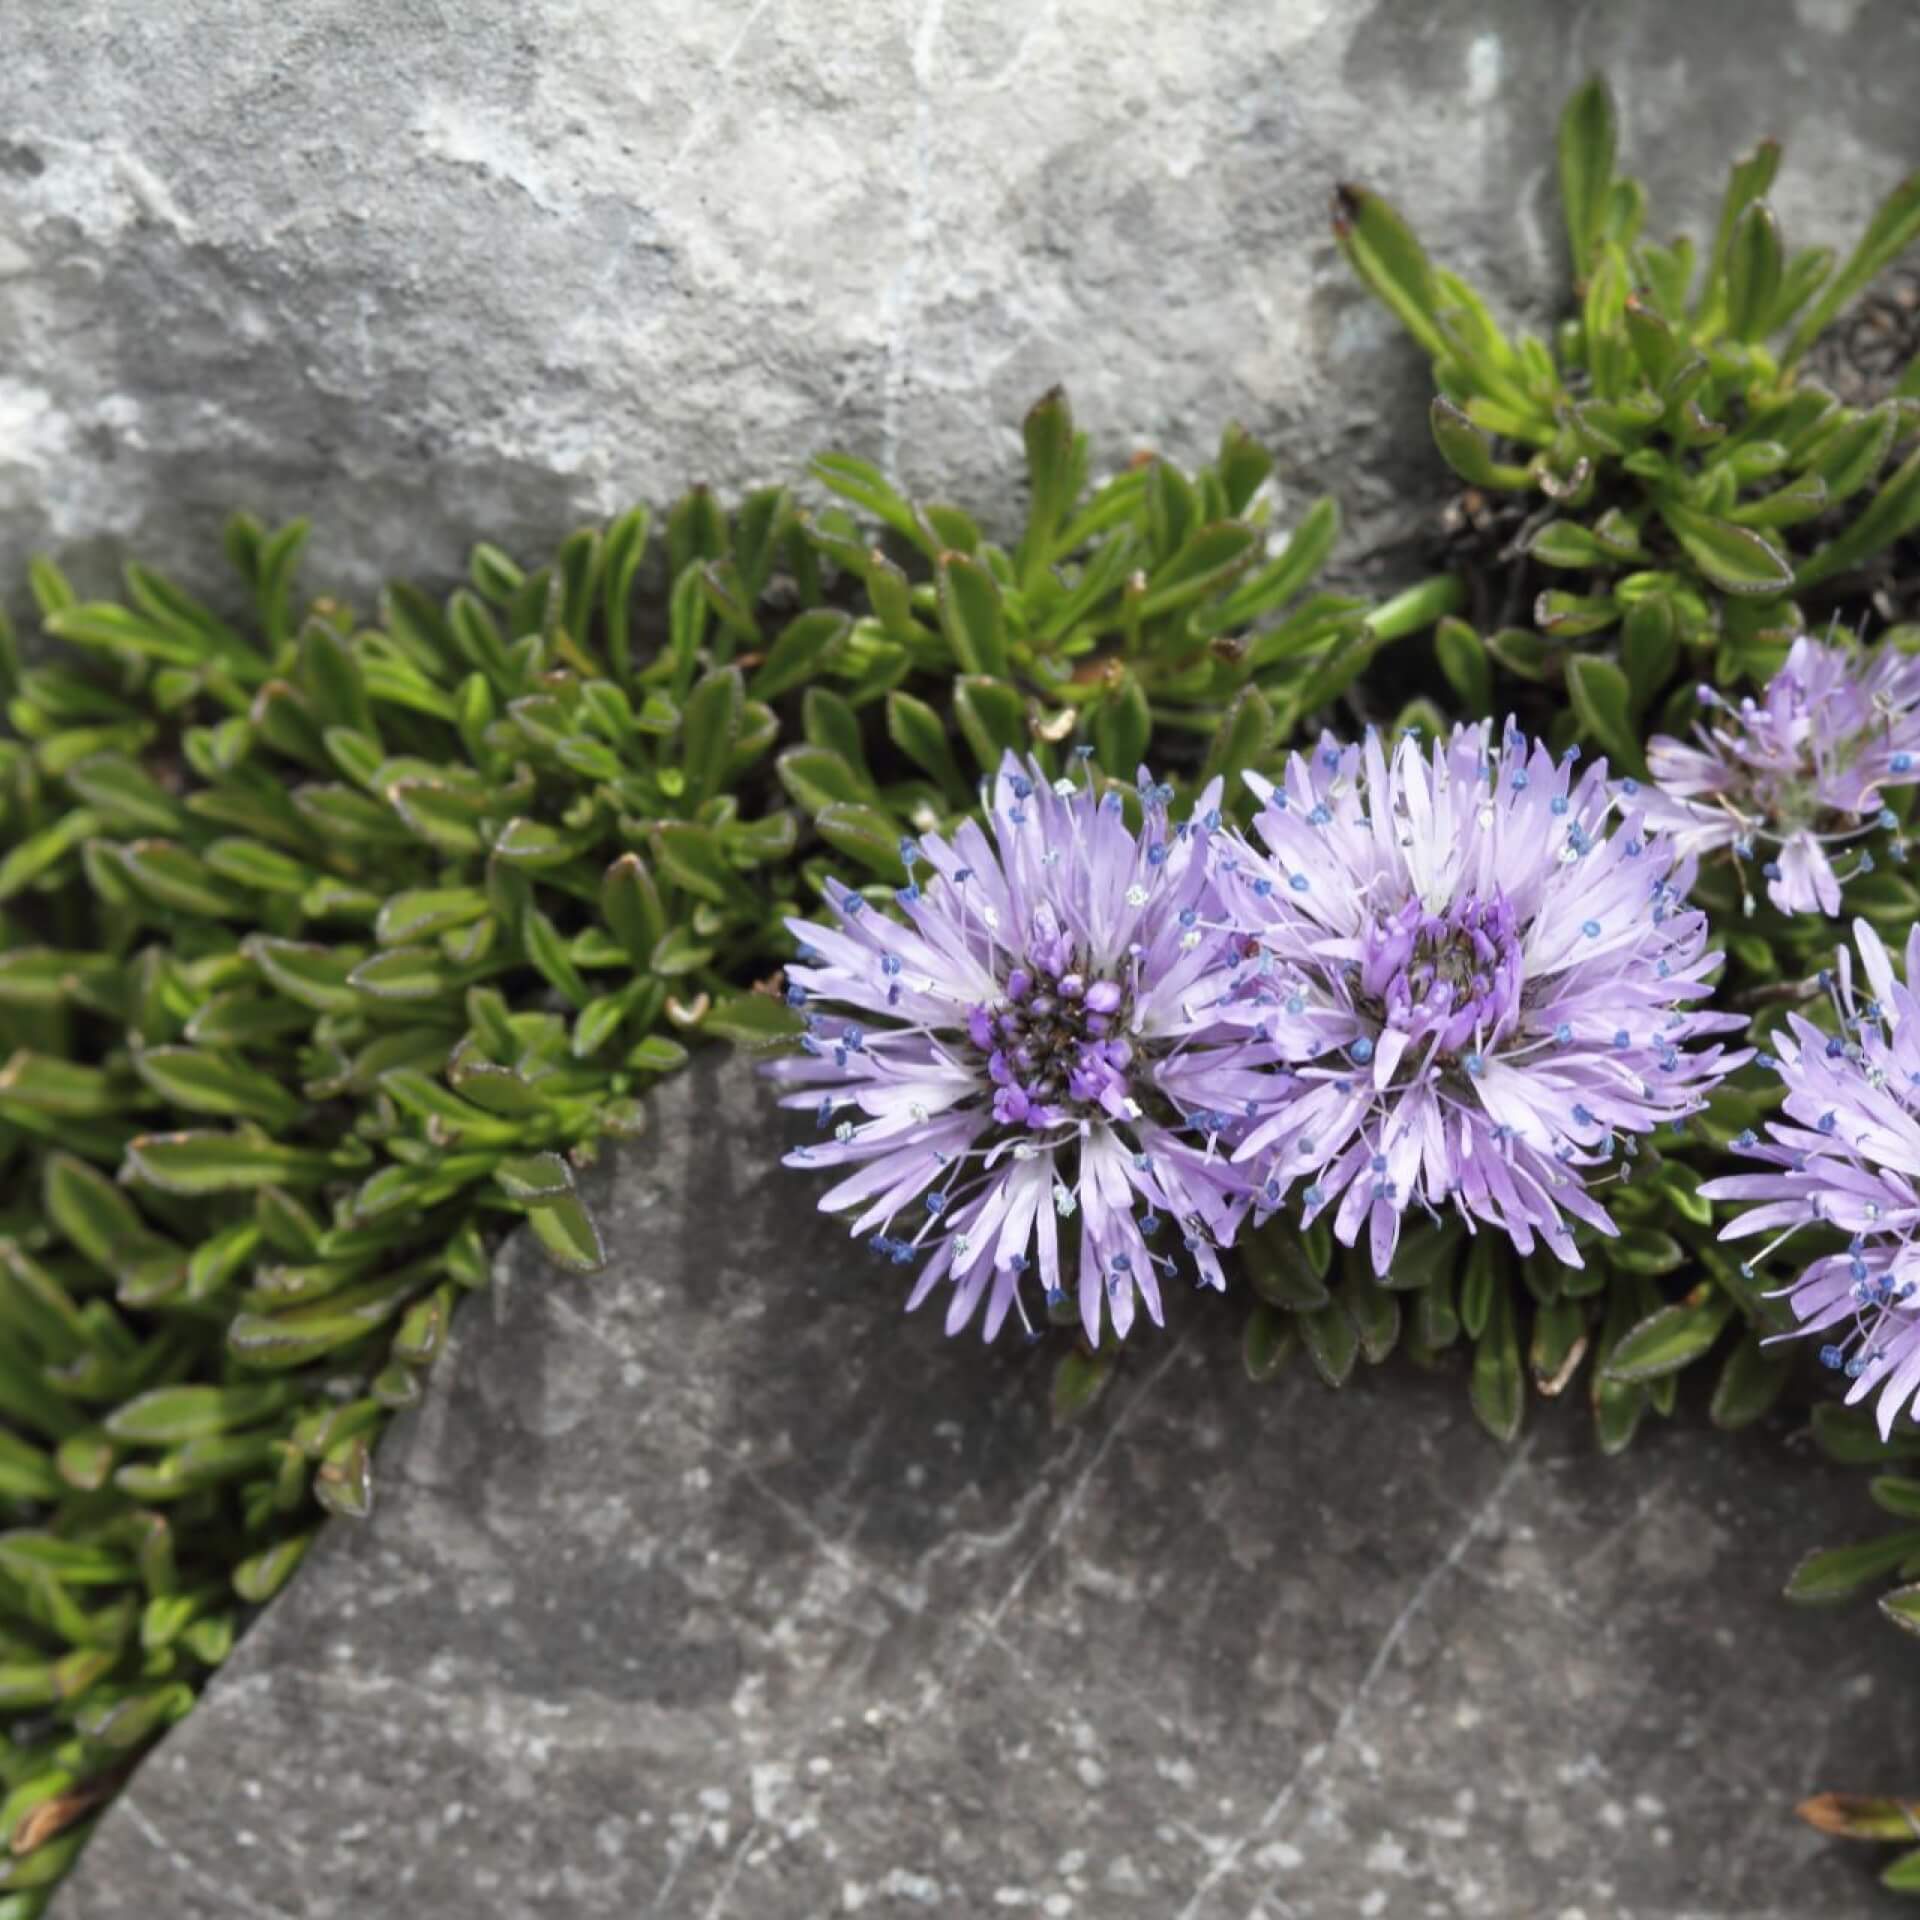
(714, 1587)
(430, 272)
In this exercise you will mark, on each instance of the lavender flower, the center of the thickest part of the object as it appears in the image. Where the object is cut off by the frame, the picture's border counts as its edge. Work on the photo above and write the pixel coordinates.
(1034, 1042)
(1483, 994)
(1846, 1162)
(1794, 774)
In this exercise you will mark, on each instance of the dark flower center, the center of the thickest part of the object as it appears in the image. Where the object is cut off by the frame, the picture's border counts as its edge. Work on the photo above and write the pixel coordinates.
(1055, 1045)
(1455, 975)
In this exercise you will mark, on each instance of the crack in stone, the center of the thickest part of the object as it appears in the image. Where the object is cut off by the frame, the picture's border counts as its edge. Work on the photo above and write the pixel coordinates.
(1317, 1756)
(129, 1808)
(697, 126)
(943, 1684)
(724, 1892)
(906, 283)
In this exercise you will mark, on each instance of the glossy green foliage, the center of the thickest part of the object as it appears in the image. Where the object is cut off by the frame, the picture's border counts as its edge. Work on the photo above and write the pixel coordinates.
(1691, 499)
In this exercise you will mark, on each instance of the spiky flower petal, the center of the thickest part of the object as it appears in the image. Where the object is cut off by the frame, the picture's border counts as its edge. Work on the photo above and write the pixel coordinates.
(1844, 1166)
(1795, 776)
(1033, 1052)
(1482, 992)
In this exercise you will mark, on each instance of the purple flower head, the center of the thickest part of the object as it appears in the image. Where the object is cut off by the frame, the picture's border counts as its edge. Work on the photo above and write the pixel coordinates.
(1031, 1051)
(1482, 993)
(1795, 775)
(1846, 1162)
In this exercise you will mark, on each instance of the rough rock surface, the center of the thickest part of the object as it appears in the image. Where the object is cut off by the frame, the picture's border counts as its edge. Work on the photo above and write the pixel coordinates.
(428, 272)
(711, 1587)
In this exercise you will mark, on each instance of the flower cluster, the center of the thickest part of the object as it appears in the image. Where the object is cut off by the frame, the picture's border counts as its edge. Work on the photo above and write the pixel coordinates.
(1033, 1048)
(1844, 1165)
(1440, 979)
(1795, 775)
(1481, 993)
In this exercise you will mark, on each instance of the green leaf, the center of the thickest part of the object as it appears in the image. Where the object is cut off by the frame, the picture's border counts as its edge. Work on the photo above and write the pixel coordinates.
(1565, 616)
(1469, 452)
(1747, 181)
(1332, 1341)
(125, 793)
(622, 551)
(1055, 471)
(169, 1416)
(756, 1021)
(1586, 143)
(424, 913)
(1750, 1383)
(693, 859)
(1736, 559)
(117, 629)
(1836, 1572)
(815, 777)
(1523, 653)
(1382, 250)
(200, 1081)
(444, 819)
(1603, 703)
(657, 1054)
(805, 646)
(547, 950)
(630, 905)
(1078, 1381)
(93, 1215)
(1565, 543)
(863, 484)
(534, 1176)
(1861, 1816)
(1242, 740)
(533, 844)
(1902, 1607)
(1849, 1435)
(1890, 515)
(566, 1231)
(314, 976)
(1646, 1250)
(261, 1575)
(678, 952)
(279, 1342)
(993, 719)
(40, 854)
(1560, 1335)
(1649, 651)
(1672, 1338)
(203, 1163)
(1754, 263)
(45, 1083)
(1888, 235)
(1497, 1387)
(1123, 728)
(1267, 1343)
(1296, 564)
(1853, 454)
(264, 869)
(916, 729)
(971, 615)
(709, 725)
(866, 835)
(334, 682)
(1212, 558)
(406, 973)
(1896, 1494)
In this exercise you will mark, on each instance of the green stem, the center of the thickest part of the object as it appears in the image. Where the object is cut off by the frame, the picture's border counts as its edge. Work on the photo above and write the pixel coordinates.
(1418, 607)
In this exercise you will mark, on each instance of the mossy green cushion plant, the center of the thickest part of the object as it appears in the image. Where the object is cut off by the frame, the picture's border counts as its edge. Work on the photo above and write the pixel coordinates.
(1690, 499)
